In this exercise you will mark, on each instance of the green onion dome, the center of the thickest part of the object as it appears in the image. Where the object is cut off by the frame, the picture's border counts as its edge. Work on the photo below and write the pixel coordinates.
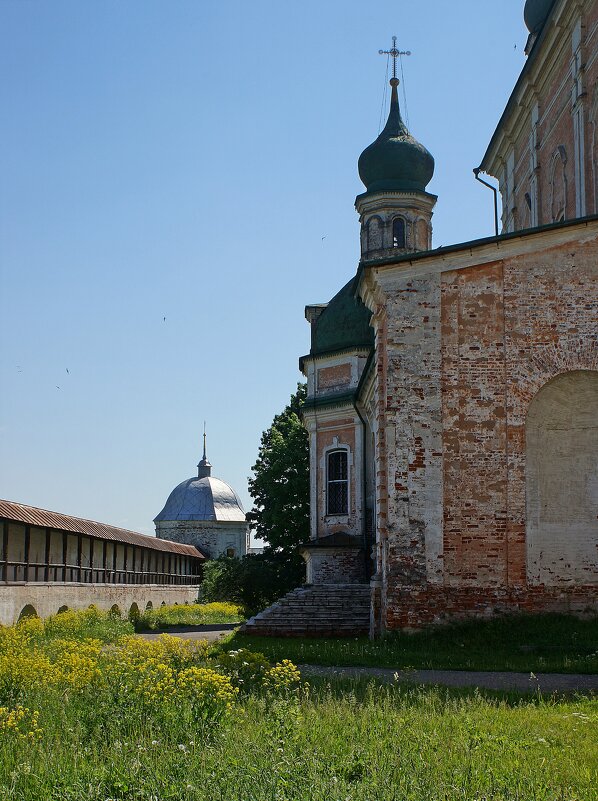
(536, 13)
(395, 161)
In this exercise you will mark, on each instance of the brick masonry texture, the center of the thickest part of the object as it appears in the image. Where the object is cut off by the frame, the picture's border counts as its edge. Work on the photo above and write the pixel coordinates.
(474, 443)
(468, 350)
(337, 376)
(330, 566)
(545, 154)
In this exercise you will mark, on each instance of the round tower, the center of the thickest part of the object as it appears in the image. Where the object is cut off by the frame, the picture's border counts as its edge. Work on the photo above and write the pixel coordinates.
(395, 211)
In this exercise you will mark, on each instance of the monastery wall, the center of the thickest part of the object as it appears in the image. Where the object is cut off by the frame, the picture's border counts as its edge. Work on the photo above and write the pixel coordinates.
(47, 598)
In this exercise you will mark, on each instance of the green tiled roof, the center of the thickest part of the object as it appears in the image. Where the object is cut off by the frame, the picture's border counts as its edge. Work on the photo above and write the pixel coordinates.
(344, 324)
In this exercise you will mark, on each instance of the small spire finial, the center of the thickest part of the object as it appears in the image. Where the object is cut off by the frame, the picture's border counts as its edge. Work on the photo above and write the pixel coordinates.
(395, 54)
(204, 468)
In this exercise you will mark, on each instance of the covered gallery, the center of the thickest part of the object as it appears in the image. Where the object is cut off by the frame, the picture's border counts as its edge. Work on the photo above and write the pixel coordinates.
(50, 560)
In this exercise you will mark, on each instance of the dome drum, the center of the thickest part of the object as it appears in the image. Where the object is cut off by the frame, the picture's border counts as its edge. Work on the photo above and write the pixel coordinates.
(393, 223)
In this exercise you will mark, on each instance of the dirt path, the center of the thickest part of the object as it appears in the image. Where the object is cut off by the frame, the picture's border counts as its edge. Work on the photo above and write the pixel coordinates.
(211, 633)
(489, 680)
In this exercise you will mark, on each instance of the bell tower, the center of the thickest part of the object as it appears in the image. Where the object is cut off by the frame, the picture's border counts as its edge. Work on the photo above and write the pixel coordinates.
(395, 211)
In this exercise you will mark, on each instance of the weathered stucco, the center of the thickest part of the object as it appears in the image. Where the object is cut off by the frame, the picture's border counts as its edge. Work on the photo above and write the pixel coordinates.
(562, 481)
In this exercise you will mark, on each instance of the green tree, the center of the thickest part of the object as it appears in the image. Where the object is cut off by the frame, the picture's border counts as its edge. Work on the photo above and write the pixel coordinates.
(254, 581)
(280, 482)
(280, 516)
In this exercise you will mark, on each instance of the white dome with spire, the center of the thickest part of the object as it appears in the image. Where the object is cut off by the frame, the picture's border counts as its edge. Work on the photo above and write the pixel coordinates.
(206, 512)
(202, 498)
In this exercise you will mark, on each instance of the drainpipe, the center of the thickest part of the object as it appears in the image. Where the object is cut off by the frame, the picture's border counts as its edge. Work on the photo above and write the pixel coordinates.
(477, 172)
(363, 489)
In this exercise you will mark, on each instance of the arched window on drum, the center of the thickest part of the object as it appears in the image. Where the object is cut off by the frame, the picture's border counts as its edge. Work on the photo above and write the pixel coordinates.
(399, 233)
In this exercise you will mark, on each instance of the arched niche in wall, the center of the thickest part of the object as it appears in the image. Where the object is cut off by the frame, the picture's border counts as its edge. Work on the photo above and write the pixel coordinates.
(399, 233)
(28, 611)
(562, 481)
(134, 614)
(423, 234)
(558, 184)
(375, 234)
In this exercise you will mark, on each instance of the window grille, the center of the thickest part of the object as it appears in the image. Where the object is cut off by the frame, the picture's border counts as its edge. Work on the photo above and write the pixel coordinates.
(337, 483)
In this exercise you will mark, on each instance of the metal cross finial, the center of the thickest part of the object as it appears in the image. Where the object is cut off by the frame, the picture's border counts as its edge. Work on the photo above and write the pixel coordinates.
(395, 54)
(204, 439)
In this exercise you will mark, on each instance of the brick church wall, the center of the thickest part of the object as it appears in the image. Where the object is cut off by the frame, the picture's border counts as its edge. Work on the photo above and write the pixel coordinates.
(468, 349)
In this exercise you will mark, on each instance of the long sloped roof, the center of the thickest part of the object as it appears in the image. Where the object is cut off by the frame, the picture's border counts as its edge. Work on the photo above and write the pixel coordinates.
(32, 515)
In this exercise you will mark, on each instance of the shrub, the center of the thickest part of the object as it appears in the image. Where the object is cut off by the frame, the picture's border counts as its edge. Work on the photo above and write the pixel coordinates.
(191, 615)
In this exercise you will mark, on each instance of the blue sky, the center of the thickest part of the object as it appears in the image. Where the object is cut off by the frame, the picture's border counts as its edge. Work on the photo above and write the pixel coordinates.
(197, 161)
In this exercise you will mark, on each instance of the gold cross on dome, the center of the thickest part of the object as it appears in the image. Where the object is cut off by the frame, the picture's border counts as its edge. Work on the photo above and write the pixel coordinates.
(394, 53)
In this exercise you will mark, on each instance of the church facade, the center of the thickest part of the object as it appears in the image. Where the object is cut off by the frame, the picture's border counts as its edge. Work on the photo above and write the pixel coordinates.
(453, 392)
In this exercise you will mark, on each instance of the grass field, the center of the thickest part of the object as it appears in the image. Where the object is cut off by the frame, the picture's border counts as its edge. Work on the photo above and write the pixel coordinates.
(118, 718)
(163, 617)
(546, 643)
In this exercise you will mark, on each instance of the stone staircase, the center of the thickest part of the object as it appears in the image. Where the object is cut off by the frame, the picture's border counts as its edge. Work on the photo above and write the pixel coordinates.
(316, 610)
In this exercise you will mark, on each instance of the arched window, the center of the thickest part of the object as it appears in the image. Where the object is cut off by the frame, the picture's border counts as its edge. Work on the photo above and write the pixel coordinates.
(399, 239)
(337, 483)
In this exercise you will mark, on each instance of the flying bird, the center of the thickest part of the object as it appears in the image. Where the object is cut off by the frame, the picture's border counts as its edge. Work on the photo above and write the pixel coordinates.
(67, 369)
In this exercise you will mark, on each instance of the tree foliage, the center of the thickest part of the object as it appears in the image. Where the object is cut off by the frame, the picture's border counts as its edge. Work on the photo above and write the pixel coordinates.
(255, 581)
(280, 516)
(280, 482)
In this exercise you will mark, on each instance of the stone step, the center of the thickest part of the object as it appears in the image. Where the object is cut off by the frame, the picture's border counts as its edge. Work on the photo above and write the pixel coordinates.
(321, 610)
(300, 613)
